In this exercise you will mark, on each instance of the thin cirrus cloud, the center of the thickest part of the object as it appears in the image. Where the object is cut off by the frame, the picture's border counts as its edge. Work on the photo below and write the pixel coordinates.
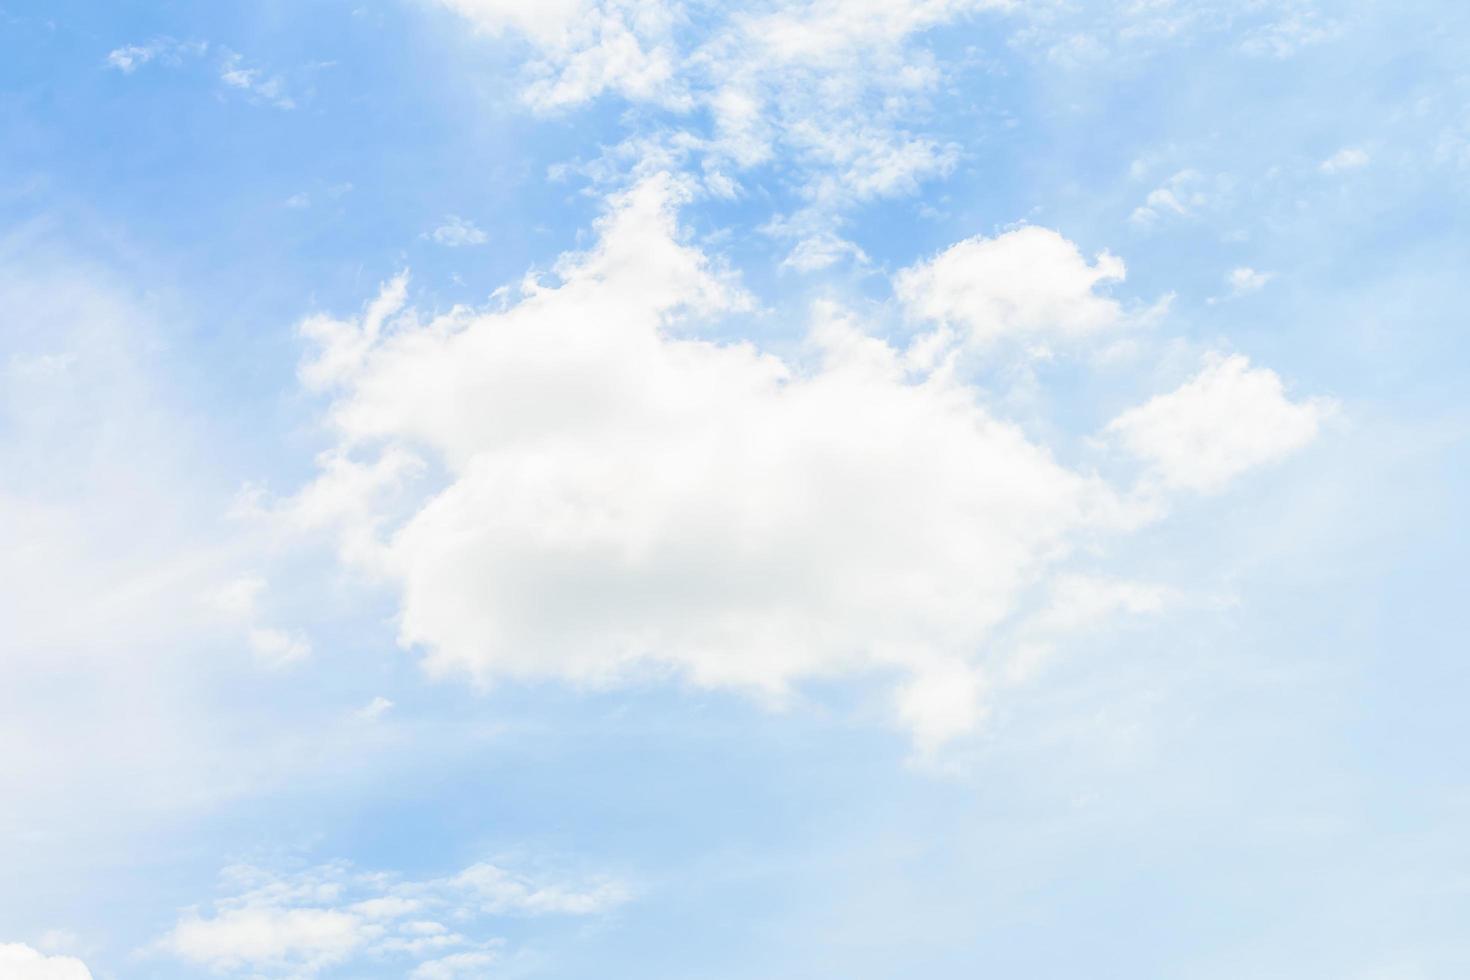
(618, 498)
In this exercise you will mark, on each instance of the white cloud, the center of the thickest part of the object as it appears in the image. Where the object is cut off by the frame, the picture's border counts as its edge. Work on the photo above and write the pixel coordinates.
(455, 966)
(1073, 35)
(821, 251)
(619, 499)
(457, 231)
(255, 82)
(1285, 35)
(375, 709)
(1030, 283)
(499, 891)
(1227, 419)
(126, 59)
(1181, 196)
(130, 57)
(588, 47)
(239, 601)
(833, 90)
(20, 962)
(944, 701)
(547, 22)
(301, 924)
(1345, 159)
(1247, 280)
(305, 939)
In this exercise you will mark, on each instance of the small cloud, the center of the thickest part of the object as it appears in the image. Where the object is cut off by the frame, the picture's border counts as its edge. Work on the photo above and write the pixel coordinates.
(1242, 281)
(1247, 280)
(127, 59)
(255, 82)
(1226, 420)
(1180, 195)
(1345, 159)
(1288, 35)
(456, 231)
(334, 917)
(456, 966)
(302, 200)
(820, 251)
(374, 709)
(130, 57)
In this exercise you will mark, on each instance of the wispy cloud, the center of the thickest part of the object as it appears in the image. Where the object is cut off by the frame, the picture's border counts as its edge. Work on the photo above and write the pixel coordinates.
(257, 83)
(457, 232)
(302, 923)
(130, 57)
(1242, 281)
(1345, 159)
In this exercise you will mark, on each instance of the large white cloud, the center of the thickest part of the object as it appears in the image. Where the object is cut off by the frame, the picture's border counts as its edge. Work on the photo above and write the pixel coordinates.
(572, 487)
(19, 962)
(616, 498)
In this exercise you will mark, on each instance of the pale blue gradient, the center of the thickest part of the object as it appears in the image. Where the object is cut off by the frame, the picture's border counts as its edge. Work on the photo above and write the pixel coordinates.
(1272, 785)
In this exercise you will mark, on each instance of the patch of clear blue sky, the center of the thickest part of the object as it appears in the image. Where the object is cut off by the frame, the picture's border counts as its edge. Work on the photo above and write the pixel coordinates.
(1286, 794)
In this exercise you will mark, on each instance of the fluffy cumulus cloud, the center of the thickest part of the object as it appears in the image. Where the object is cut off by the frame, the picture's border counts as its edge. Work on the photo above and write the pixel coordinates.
(1225, 420)
(300, 924)
(578, 486)
(20, 962)
(1030, 284)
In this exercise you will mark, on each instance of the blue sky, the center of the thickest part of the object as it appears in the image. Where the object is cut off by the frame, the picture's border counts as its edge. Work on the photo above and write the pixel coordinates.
(818, 488)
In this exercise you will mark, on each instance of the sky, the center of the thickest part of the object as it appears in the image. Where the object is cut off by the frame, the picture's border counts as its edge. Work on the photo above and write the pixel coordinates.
(792, 489)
